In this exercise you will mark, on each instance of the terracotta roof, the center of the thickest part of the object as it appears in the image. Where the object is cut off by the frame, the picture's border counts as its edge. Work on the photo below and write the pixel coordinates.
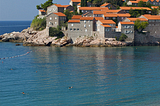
(74, 21)
(65, 6)
(106, 25)
(135, 8)
(105, 4)
(104, 22)
(99, 12)
(86, 18)
(112, 11)
(42, 10)
(110, 15)
(155, 7)
(156, 0)
(127, 22)
(152, 17)
(76, 0)
(92, 8)
(59, 5)
(98, 18)
(78, 4)
(76, 16)
(134, 19)
(60, 14)
(124, 15)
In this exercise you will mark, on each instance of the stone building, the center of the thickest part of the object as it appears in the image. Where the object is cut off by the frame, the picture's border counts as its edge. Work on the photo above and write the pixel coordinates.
(154, 24)
(83, 27)
(55, 8)
(55, 19)
(127, 28)
(42, 14)
(90, 9)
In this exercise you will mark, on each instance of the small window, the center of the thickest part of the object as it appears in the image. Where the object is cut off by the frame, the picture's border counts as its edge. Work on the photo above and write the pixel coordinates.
(55, 17)
(77, 29)
(74, 29)
(85, 30)
(85, 26)
(50, 18)
(84, 21)
(50, 23)
(89, 25)
(71, 24)
(70, 29)
(55, 22)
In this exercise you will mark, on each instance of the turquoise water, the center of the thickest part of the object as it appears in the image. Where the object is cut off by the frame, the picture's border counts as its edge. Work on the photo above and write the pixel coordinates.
(123, 76)
(127, 76)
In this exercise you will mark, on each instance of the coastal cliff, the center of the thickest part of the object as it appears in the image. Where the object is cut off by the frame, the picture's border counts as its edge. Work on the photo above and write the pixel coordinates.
(29, 37)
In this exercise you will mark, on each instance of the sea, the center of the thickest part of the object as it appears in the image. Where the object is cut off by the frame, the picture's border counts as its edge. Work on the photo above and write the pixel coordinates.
(77, 76)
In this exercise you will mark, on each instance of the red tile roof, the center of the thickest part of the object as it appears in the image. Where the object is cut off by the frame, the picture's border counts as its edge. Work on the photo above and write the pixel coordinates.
(74, 21)
(127, 22)
(92, 8)
(104, 22)
(98, 18)
(135, 8)
(76, 0)
(60, 14)
(86, 18)
(76, 16)
(59, 5)
(106, 25)
(152, 17)
(42, 10)
(134, 19)
(105, 4)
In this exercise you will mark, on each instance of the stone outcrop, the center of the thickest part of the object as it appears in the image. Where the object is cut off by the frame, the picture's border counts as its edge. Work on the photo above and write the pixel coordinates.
(29, 37)
(98, 42)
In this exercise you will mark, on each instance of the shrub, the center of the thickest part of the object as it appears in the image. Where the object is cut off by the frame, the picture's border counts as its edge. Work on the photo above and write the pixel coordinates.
(55, 32)
(38, 24)
(123, 37)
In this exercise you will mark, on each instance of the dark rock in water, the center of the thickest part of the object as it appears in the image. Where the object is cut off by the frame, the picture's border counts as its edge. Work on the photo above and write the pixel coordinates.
(18, 44)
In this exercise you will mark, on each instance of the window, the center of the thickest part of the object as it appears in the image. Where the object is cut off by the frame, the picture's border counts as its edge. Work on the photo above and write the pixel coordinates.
(71, 24)
(84, 21)
(55, 17)
(50, 18)
(85, 26)
(74, 29)
(70, 29)
(77, 29)
(85, 30)
(50, 23)
(55, 22)
(89, 25)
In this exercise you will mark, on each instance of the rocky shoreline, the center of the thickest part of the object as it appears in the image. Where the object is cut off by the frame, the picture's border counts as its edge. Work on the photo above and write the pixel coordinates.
(29, 37)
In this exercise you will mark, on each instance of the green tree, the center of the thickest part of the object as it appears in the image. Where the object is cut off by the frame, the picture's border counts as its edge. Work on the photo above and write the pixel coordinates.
(55, 32)
(38, 7)
(155, 11)
(140, 26)
(97, 3)
(123, 37)
(68, 14)
(45, 5)
(38, 24)
(141, 4)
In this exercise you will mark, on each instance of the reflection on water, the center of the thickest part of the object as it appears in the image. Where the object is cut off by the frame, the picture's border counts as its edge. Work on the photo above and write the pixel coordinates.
(99, 76)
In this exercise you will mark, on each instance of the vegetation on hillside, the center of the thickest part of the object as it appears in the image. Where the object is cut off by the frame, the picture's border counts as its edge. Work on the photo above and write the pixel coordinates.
(45, 5)
(123, 37)
(140, 26)
(38, 24)
(137, 13)
(55, 32)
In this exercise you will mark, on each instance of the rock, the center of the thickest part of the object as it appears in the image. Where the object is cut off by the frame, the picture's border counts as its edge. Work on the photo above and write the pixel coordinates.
(18, 44)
